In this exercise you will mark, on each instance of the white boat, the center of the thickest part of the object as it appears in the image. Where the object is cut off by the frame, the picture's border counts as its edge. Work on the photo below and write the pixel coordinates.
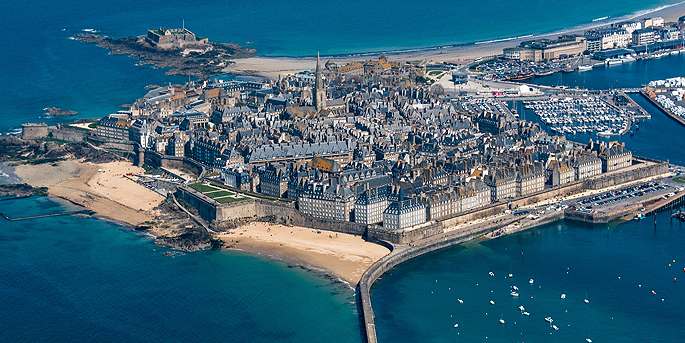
(491, 274)
(456, 325)
(613, 61)
(627, 58)
(563, 296)
(549, 319)
(588, 340)
(460, 301)
(675, 52)
(492, 302)
(511, 276)
(514, 294)
(530, 281)
(515, 288)
(501, 321)
(522, 308)
(526, 313)
(555, 327)
(585, 67)
(586, 301)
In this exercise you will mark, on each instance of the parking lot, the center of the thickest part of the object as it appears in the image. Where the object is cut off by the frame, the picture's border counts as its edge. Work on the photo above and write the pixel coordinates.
(621, 197)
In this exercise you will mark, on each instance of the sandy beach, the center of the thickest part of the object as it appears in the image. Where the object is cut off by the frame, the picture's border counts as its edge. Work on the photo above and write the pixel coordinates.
(345, 255)
(114, 197)
(107, 192)
(273, 67)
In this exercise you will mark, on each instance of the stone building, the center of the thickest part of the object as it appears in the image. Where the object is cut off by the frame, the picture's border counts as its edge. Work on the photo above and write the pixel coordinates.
(614, 156)
(273, 181)
(530, 179)
(560, 173)
(502, 182)
(34, 130)
(474, 194)
(586, 165)
(404, 214)
(370, 205)
(327, 202)
(319, 88)
(442, 205)
(173, 38)
(113, 128)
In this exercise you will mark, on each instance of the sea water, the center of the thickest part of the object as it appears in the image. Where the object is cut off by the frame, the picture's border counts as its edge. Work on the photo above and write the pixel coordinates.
(75, 279)
(44, 67)
(69, 279)
(616, 268)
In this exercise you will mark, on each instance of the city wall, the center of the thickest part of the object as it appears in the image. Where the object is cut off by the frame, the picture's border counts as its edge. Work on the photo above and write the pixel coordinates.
(155, 159)
(68, 134)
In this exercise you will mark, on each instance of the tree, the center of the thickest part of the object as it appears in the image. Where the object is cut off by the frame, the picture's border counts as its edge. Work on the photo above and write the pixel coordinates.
(437, 89)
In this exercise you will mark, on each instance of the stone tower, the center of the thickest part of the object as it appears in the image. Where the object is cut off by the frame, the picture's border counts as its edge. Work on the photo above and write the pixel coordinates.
(319, 89)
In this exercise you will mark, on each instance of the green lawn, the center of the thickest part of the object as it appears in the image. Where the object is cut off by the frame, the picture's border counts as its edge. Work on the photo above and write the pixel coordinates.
(202, 188)
(229, 199)
(218, 194)
(680, 179)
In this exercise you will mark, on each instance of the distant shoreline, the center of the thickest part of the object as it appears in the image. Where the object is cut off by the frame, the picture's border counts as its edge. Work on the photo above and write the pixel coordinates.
(274, 66)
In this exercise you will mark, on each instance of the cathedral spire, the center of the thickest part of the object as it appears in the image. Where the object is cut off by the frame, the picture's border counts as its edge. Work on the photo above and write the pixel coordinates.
(319, 89)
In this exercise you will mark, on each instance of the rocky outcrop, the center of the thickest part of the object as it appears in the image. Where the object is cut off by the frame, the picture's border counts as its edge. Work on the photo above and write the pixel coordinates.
(58, 112)
(22, 190)
(203, 65)
(194, 240)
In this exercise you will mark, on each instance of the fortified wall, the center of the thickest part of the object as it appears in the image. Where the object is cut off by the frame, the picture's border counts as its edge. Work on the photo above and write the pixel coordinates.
(155, 159)
(283, 211)
(42, 130)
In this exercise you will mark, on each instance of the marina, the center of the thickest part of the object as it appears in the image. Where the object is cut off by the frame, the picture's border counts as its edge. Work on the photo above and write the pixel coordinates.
(583, 114)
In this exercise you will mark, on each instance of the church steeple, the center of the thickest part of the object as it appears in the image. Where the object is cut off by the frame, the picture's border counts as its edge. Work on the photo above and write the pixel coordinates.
(319, 88)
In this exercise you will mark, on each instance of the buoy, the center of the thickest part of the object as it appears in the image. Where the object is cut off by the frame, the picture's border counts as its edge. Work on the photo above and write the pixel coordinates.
(673, 279)
(532, 298)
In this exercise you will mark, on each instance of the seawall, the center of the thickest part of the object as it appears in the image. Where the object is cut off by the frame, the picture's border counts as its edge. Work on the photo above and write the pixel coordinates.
(680, 120)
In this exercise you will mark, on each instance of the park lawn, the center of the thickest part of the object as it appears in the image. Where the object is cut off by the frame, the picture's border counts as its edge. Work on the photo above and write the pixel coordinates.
(229, 199)
(202, 188)
(218, 194)
(680, 179)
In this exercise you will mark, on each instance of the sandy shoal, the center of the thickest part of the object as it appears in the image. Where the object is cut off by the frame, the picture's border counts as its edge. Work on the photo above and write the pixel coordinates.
(108, 193)
(273, 67)
(345, 255)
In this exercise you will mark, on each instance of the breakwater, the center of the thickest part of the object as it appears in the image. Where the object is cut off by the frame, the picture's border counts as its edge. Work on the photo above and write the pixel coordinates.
(88, 212)
(680, 120)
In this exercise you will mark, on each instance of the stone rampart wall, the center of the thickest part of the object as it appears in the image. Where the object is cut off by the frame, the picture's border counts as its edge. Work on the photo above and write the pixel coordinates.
(67, 134)
(377, 233)
(205, 207)
(156, 159)
(627, 176)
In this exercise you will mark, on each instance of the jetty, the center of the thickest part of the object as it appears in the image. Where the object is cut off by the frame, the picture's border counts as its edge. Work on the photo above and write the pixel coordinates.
(86, 212)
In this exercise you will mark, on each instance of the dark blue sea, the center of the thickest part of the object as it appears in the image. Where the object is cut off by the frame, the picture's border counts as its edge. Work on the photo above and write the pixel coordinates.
(65, 279)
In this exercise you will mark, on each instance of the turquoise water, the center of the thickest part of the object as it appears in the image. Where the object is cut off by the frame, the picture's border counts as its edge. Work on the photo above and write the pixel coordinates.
(43, 68)
(66, 279)
(615, 268)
